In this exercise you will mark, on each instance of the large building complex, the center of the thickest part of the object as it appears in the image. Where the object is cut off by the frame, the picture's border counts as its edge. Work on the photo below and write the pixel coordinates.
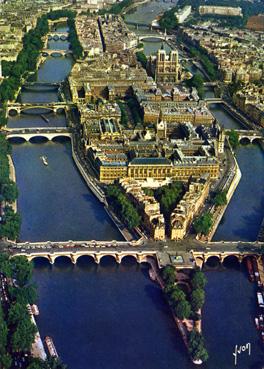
(221, 10)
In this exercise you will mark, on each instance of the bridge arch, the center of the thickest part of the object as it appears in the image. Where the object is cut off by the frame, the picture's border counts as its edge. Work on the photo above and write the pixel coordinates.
(12, 112)
(213, 261)
(38, 138)
(62, 258)
(84, 259)
(199, 261)
(61, 137)
(231, 260)
(106, 257)
(127, 257)
(244, 140)
(256, 141)
(16, 139)
(44, 110)
(39, 258)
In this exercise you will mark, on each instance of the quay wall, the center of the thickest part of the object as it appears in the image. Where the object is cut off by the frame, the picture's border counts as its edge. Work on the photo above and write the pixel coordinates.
(12, 176)
(229, 186)
(99, 194)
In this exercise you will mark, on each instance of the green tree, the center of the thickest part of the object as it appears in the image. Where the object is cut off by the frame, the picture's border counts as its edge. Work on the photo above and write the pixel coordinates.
(16, 313)
(198, 280)
(203, 223)
(220, 198)
(197, 347)
(141, 57)
(11, 226)
(197, 81)
(233, 138)
(176, 296)
(23, 336)
(5, 361)
(169, 274)
(197, 299)
(168, 21)
(10, 191)
(22, 270)
(183, 309)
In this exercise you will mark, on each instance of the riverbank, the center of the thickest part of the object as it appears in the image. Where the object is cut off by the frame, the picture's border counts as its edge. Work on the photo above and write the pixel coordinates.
(229, 187)
(12, 176)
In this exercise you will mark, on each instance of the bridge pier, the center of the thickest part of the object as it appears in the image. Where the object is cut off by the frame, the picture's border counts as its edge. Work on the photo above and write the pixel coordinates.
(74, 259)
(51, 259)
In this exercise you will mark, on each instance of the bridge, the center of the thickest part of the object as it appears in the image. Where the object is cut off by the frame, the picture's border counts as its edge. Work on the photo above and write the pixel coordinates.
(213, 100)
(28, 133)
(250, 135)
(157, 36)
(55, 107)
(58, 36)
(54, 52)
(182, 254)
(209, 84)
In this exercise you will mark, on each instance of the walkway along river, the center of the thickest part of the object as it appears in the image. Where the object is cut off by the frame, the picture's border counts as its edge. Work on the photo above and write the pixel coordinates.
(111, 316)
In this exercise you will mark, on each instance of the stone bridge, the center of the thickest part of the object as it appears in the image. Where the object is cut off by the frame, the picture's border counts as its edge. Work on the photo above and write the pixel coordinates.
(250, 135)
(95, 250)
(213, 100)
(54, 107)
(192, 252)
(157, 36)
(55, 52)
(58, 36)
(28, 133)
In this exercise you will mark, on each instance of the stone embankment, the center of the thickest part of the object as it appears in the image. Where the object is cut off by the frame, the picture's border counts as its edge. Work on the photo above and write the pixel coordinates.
(12, 176)
(230, 184)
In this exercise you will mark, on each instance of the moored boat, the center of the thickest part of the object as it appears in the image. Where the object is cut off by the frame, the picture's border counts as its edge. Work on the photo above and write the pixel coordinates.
(51, 347)
(250, 269)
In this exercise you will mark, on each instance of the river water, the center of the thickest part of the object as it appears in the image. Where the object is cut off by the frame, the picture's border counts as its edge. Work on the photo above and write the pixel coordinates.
(111, 316)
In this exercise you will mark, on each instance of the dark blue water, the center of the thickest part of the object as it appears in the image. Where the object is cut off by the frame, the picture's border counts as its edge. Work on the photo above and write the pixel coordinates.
(245, 211)
(114, 317)
(54, 201)
(223, 117)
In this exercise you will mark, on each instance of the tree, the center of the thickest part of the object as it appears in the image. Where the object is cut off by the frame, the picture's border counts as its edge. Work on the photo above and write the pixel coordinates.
(197, 81)
(169, 274)
(168, 21)
(198, 280)
(183, 309)
(10, 191)
(197, 347)
(17, 313)
(23, 336)
(233, 138)
(197, 299)
(220, 198)
(176, 296)
(22, 270)
(5, 361)
(141, 57)
(203, 223)
(11, 226)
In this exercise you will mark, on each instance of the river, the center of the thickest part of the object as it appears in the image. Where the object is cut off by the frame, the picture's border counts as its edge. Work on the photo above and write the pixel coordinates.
(111, 316)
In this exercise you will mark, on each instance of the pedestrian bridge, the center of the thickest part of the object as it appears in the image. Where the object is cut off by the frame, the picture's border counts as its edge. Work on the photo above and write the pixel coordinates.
(17, 108)
(54, 52)
(28, 134)
(249, 135)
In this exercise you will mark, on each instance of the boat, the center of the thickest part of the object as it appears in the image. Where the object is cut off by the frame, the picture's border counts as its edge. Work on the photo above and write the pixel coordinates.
(197, 362)
(250, 269)
(262, 336)
(261, 322)
(257, 323)
(34, 309)
(51, 347)
(260, 299)
(44, 118)
(44, 160)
